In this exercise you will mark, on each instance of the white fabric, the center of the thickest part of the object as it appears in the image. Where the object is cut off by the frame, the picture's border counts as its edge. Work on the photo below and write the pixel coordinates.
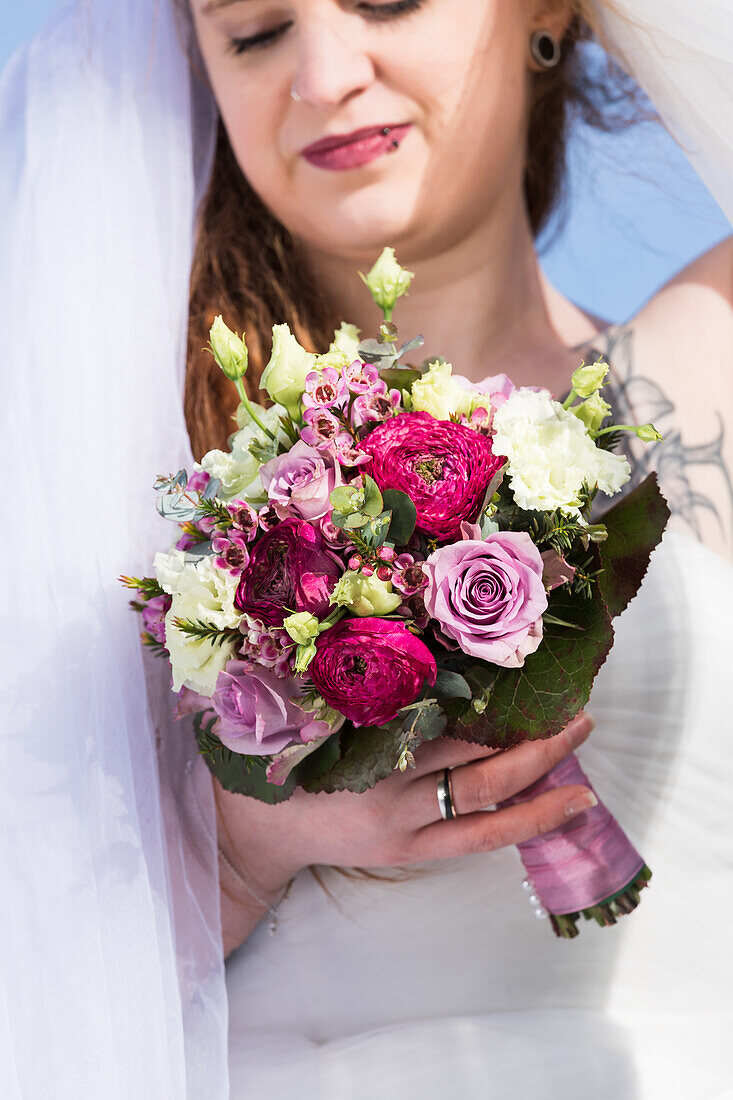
(681, 54)
(450, 986)
(111, 974)
(110, 956)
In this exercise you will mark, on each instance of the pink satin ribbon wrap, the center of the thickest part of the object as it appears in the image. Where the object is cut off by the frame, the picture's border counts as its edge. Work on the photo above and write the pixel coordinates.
(584, 861)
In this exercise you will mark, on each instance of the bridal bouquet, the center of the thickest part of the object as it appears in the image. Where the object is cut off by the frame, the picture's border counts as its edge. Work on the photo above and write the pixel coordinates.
(388, 554)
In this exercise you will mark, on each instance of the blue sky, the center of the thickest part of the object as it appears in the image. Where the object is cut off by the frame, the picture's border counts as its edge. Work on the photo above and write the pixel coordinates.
(637, 211)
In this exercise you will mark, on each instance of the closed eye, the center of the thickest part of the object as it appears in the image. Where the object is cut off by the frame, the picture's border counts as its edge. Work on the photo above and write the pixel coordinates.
(378, 12)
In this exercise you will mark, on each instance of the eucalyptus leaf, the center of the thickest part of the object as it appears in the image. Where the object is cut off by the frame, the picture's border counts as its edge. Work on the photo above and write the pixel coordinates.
(200, 551)
(404, 516)
(176, 507)
(399, 378)
(375, 531)
(212, 488)
(452, 685)
(410, 345)
(373, 503)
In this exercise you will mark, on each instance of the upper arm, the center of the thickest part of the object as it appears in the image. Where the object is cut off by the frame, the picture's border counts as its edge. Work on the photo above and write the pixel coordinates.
(673, 366)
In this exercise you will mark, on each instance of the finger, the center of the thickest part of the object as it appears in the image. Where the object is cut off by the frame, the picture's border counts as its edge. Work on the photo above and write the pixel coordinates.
(486, 782)
(485, 832)
(446, 752)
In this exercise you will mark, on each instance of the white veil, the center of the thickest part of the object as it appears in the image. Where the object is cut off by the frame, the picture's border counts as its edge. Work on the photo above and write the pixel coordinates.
(111, 971)
(112, 976)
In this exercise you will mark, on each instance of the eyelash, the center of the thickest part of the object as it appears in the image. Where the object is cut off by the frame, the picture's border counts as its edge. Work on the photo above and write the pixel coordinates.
(379, 12)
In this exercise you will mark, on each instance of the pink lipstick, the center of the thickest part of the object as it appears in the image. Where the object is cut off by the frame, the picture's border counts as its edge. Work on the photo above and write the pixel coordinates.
(353, 150)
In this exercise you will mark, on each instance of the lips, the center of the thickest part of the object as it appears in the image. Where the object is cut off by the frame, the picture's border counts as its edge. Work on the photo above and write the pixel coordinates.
(337, 140)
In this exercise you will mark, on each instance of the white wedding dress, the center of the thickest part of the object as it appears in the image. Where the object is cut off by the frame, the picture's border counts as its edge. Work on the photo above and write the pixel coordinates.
(448, 984)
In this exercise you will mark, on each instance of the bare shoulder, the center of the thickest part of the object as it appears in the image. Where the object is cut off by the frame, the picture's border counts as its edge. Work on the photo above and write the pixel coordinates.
(672, 364)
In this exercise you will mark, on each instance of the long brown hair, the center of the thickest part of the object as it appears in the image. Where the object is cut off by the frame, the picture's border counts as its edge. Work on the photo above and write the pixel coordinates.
(249, 267)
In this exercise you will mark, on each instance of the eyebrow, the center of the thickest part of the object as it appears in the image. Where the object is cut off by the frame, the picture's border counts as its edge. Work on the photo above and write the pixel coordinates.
(214, 5)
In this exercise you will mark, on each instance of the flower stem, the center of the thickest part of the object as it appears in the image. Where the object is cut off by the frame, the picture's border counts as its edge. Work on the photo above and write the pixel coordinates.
(248, 406)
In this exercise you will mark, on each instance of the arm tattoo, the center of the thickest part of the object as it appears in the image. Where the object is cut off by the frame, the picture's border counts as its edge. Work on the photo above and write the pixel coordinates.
(637, 399)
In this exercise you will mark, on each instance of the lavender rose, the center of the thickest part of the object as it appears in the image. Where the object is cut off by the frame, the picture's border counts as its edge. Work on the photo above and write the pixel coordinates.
(289, 569)
(302, 478)
(488, 596)
(444, 467)
(259, 712)
(368, 668)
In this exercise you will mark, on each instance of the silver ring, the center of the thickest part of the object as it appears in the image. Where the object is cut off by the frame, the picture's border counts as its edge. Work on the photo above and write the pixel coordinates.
(295, 94)
(445, 796)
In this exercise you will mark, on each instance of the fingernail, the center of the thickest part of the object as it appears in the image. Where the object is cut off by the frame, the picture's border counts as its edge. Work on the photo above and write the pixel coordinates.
(580, 729)
(582, 802)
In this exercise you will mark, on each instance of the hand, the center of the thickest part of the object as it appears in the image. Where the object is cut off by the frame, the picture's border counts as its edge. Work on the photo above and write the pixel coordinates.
(398, 821)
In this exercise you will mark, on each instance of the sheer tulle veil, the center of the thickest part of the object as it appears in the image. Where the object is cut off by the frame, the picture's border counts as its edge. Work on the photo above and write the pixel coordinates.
(112, 976)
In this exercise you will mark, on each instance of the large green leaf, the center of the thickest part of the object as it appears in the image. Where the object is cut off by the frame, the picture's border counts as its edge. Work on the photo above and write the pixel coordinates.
(635, 526)
(539, 699)
(237, 773)
(369, 753)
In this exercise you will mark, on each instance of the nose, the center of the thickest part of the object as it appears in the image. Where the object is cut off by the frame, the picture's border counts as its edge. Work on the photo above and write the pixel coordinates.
(332, 64)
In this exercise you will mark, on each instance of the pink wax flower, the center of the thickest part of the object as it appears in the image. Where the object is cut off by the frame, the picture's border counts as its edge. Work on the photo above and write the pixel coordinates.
(374, 407)
(408, 577)
(198, 482)
(323, 389)
(443, 467)
(488, 596)
(153, 617)
(259, 712)
(321, 428)
(360, 377)
(289, 569)
(302, 478)
(348, 453)
(244, 518)
(369, 668)
(231, 552)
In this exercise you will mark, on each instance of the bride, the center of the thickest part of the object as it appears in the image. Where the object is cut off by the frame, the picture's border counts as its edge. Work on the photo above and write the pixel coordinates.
(132, 876)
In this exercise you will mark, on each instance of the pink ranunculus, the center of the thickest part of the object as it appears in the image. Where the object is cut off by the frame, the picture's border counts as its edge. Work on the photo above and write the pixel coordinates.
(302, 478)
(289, 569)
(444, 467)
(488, 596)
(259, 712)
(369, 668)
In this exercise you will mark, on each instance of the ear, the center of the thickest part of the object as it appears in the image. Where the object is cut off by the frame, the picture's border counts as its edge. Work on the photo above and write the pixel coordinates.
(550, 15)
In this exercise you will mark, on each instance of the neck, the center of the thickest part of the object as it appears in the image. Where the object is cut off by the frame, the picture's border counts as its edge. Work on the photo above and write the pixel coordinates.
(482, 303)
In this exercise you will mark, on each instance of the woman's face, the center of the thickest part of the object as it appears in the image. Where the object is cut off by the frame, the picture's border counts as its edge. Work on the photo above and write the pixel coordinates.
(447, 77)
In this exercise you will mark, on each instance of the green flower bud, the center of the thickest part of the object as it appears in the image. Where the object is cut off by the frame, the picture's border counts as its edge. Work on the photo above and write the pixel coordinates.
(228, 349)
(387, 281)
(302, 627)
(304, 655)
(365, 595)
(285, 374)
(647, 433)
(589, 378)
(592, 412)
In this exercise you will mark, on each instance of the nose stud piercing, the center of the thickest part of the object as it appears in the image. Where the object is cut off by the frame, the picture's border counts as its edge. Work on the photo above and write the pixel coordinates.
(295, 94)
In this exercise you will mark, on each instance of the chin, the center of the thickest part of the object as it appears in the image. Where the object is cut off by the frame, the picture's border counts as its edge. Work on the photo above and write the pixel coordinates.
(362, 222)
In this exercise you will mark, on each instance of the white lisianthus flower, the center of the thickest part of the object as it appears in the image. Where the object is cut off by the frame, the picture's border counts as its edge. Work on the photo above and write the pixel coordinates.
(199, 591)
(285, 374)
(437, 392)
(239, 472)
(346, 339)
(550, 454)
